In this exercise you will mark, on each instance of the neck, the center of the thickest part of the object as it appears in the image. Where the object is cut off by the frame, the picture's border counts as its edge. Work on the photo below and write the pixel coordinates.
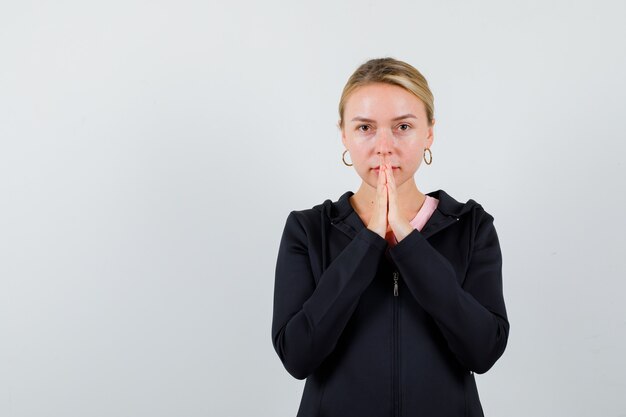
(410, 199)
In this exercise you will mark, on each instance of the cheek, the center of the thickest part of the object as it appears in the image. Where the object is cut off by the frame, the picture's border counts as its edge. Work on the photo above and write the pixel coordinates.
(358, 155)
(411, 161)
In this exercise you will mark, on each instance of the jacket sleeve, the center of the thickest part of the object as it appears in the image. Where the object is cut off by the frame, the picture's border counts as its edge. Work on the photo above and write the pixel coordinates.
(308, 319)
(472, 317)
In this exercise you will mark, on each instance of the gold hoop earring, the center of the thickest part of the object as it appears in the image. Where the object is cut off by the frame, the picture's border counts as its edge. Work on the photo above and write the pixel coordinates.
(430, 160)
(344, 160)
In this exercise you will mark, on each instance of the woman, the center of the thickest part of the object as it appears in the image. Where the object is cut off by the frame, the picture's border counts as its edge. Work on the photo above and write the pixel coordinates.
(388, 300)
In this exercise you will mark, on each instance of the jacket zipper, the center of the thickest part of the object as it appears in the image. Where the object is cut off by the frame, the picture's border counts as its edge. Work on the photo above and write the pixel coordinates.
(395, 352)
(395, 283)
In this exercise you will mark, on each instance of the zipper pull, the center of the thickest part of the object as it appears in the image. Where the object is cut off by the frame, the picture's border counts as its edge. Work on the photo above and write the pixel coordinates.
(395, 283)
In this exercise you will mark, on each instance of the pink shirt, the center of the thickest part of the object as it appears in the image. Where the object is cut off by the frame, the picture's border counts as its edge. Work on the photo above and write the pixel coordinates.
(420, 219)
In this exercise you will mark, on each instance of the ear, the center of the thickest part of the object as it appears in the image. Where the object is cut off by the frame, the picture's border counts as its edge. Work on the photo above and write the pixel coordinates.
(343, 135)
(431, 135)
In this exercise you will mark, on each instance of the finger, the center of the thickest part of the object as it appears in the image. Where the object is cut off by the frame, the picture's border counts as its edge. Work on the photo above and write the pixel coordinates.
(392, 195)
(385, 188)
(379, 191)
(385, 202)
(380, 185)
(382, 179)
(391, 180)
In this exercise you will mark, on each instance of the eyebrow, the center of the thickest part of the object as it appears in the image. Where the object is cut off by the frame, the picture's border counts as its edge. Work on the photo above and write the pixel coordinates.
(404, 116)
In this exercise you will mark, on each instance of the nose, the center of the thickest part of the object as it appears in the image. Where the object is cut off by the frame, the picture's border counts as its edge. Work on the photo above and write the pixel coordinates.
(384, 142)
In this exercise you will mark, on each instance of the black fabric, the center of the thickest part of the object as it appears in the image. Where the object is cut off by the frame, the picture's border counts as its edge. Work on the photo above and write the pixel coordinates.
(366, 352)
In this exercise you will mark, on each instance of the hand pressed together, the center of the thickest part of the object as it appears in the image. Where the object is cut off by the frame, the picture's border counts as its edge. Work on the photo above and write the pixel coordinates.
(386, 216)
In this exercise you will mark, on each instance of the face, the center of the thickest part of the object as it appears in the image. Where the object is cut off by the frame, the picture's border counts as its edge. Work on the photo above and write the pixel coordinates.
(385, 122)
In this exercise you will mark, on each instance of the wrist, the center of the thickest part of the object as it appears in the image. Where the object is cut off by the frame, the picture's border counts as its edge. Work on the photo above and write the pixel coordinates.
(403, 230)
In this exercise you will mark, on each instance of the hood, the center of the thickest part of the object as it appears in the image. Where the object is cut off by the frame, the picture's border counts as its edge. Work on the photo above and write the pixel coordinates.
(338, 210)
(341, 215)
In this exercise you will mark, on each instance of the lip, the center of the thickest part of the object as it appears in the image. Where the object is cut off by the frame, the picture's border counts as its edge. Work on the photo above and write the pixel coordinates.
(377, 168)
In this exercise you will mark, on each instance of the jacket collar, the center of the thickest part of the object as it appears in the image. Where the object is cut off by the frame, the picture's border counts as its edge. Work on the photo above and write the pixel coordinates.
(342, 214)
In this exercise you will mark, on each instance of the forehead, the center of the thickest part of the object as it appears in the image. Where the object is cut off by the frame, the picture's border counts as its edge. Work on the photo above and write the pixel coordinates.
(382, 101)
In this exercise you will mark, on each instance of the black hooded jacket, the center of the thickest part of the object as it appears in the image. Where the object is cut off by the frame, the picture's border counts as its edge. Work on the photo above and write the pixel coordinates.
(389, 331)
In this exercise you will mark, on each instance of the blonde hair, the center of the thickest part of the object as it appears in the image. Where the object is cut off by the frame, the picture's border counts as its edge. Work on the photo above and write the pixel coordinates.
(389, 71)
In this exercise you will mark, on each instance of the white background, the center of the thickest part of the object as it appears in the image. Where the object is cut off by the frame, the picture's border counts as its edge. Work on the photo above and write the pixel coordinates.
(150, 152)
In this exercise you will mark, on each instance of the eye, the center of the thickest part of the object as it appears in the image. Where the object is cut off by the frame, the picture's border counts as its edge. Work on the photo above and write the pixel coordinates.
(363, 128)
(404, 126)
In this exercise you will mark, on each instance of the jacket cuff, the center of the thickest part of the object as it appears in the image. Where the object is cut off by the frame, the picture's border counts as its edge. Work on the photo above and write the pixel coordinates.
(372, 238)
(407, 245)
